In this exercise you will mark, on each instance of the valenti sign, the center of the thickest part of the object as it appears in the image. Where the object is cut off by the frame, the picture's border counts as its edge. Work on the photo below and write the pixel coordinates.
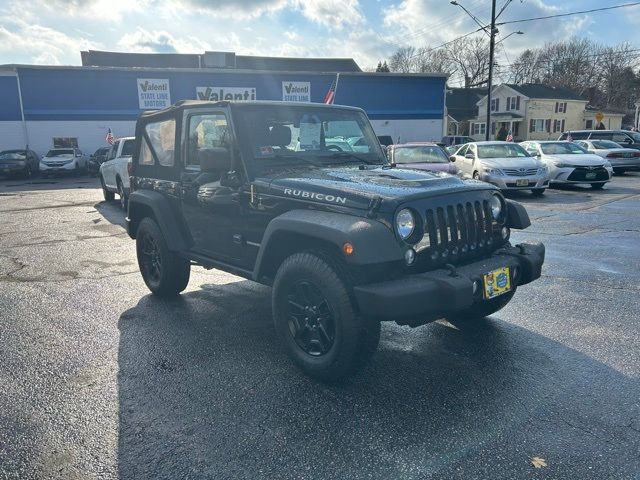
(153, 93)
(296, 91)
(225, 93)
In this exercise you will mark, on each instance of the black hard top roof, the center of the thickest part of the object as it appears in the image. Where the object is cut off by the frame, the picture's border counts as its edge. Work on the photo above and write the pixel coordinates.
(184, 104)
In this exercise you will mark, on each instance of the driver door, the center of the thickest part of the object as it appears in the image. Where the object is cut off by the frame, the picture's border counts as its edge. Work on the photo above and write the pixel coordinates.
(211, 207)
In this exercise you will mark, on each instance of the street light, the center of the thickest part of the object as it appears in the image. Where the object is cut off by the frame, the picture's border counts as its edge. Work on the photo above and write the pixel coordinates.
(475, 19)
(512, 33)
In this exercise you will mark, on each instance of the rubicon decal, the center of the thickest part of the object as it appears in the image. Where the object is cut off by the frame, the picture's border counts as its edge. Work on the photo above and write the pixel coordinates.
(314, 196)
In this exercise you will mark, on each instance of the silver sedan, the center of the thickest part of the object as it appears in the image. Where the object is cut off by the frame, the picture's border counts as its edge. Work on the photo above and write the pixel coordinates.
(622, 159)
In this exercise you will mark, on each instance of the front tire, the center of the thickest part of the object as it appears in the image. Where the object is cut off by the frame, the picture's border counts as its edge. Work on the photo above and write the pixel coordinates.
(124, 199)
(597, 186)
(484, 309)
(164, 272)
(108, 195)
(316, 320)
(619, 171)
(537, 192)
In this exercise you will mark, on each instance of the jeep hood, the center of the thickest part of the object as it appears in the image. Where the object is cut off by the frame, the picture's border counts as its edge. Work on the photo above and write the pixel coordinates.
(356, 188)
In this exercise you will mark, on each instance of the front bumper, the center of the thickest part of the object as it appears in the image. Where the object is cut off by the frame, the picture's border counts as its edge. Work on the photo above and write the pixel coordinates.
(8, 168)
(420, 298)
(508, 182)
(567, 175)
(57, 167)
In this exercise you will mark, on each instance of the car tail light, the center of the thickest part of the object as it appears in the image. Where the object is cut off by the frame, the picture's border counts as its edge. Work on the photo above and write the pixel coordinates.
(613, 155)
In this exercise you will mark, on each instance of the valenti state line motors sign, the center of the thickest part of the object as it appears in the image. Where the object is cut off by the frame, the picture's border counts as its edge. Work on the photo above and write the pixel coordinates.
(153, 93)
(296, 91)
(216, 94)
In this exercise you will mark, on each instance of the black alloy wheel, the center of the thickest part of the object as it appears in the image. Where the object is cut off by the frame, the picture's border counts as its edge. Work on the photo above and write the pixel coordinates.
(310, 318)
(150, 258)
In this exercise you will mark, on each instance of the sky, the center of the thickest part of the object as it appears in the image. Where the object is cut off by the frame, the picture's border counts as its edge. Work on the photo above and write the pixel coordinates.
(52, 32)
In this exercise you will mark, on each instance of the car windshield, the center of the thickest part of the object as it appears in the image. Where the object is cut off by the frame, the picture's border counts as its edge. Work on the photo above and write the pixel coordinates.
(419, 154)
(604, 144)
(12, 156)
(61, 152)
(502, 150)
(635, 136)
(562, 148)
(307, 135)
(127, 148)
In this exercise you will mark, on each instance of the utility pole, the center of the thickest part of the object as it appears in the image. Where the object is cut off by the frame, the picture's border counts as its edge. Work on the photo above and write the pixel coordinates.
(492, 44)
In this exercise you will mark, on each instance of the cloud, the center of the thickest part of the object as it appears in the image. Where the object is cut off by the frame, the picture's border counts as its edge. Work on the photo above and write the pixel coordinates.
(38, 44)
(236, 9)
(160, 42)
(332, 13)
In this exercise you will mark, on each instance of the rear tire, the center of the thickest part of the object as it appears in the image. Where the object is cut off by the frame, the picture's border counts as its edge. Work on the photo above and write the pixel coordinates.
(476, 176)
(597, 186)
(124, 199)
(108, 195)
(537, 192)
(315, 319)
(163, 271)
(484, 309)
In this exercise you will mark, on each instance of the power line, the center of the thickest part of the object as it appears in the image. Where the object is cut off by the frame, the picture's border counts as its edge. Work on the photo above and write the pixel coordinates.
(445, 43)
(624, 5)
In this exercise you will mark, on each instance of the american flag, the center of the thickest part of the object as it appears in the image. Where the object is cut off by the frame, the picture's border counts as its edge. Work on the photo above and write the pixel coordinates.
(328, 98)
(510, 137)
(569, 137)
(109, 137)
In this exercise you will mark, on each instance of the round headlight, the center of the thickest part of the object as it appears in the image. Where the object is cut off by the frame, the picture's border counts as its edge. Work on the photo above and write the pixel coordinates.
(496, 207)
(405, 223)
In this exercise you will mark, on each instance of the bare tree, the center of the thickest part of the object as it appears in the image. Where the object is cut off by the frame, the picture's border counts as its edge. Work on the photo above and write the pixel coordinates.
(470, 58)
(403, 60)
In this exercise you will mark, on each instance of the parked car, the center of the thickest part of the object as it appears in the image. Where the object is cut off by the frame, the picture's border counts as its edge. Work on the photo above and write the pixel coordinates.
(97, 159)
(621, 159)
(421, 156)
(114, 171)
(568, 162)
(625, 138)
(19, 162)
(504, 164)
(452, 140)
(63, 160)
(345, 240)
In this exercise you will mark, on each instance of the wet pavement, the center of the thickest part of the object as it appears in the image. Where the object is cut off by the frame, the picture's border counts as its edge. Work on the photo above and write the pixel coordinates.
(101, 380)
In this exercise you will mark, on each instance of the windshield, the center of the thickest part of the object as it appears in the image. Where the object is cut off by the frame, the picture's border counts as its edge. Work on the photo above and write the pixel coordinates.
(501, 150)
(562, 148)
(60, 152)
(12, 156)
(635, 136)
(604, 144)
(419, 154)
(286, 134)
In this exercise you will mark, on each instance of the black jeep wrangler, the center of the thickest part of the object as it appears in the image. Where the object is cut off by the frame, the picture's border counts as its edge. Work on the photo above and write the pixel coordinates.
(280, 194)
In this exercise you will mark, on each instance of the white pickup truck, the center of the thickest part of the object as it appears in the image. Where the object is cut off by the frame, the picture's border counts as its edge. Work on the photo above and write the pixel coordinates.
(114, 173)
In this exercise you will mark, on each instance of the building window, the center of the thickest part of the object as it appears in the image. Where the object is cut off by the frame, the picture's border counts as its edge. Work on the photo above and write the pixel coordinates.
(589, 125)
(539, 125)
(558, 125)
(65, 142)
(479, 128)
(561, 107)
(495, 104)
(513, 103)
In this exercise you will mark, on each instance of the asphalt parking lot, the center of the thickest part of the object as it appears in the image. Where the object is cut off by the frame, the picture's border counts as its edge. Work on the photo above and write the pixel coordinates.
(101, 380)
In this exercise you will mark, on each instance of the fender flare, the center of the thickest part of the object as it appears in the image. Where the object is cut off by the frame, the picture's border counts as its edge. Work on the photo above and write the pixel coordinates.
(174, 232)
(373, 242)
(517, 216)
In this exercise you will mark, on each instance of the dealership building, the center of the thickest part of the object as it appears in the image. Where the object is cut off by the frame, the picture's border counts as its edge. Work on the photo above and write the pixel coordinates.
(47, 106)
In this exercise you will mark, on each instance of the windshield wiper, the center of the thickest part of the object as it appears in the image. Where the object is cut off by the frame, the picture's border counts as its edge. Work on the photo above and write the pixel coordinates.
(352, 157)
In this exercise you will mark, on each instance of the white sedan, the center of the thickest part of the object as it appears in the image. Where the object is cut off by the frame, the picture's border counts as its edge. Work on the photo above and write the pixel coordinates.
(504, 164)
(570, 163)
(622, 159)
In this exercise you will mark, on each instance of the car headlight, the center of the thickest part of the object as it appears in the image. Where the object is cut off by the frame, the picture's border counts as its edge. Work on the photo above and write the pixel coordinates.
(405, 223)
(497, 207)
(562, 165)
(493, 171)
(607, 165)
(542, 170)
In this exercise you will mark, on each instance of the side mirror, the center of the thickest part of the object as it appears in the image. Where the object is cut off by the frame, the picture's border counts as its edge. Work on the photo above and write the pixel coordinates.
(452, 158)
(469, 156)
(214, 159)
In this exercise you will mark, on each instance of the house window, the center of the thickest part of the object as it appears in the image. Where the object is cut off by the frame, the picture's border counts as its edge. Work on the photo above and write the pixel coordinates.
(479, 128)
(561, 107)
(495, 104)
(589, 125)
(513, 103)
(539, 125)
(558, 125)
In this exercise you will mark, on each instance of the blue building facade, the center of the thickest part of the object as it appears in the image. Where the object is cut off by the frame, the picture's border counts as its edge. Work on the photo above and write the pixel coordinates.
(42, 104)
